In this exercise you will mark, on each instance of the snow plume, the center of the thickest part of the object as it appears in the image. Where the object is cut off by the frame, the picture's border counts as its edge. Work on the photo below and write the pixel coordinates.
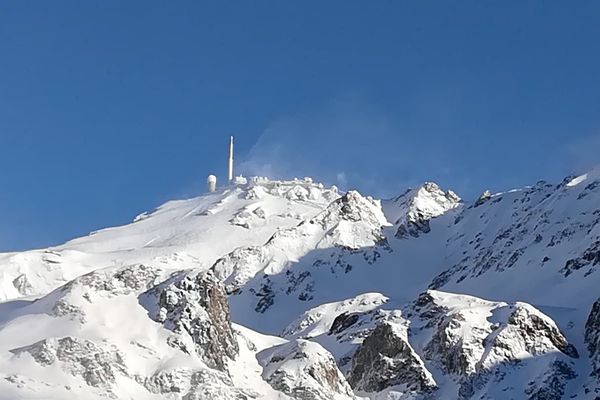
(583, 154)
(349, 143)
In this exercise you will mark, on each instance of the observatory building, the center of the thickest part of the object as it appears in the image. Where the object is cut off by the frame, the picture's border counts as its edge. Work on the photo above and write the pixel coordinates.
(211, 180)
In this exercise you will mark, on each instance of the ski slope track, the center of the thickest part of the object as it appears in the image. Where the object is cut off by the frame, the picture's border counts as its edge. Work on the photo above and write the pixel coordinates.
(293, 290)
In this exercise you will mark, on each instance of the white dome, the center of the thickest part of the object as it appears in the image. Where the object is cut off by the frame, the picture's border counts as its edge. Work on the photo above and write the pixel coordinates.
(211, 179)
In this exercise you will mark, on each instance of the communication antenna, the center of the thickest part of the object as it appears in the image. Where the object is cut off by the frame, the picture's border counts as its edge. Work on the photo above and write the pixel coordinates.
(230, 164)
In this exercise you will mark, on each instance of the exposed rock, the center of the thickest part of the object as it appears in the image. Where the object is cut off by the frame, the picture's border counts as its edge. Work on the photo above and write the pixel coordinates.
(592, 338)
(203, 384)
(196, 309)
(475, 340)
(538, 334)
(386, 359)
(485, 196)
(97, 365)
(304, 370)
(552, 383)
(22, 284)
(343, 322)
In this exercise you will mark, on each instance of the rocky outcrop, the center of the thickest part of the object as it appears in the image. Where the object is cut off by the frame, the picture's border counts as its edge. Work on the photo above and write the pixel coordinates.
(97, 365)
(23, 286)
(195, 308)
(592, 341)
(202, 384)
(551, 385)
(305, 371)
(475, 340)
(592, 337)
(465, 344)
(386, 359)
(528, 330)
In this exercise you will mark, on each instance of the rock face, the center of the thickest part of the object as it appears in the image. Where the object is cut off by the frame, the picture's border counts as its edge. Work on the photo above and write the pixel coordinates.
(305, 371)
(592, 337)
(201, 384)
(386, 359)
(98, 366)
(477, 340)
(196, 309)
(592, 340)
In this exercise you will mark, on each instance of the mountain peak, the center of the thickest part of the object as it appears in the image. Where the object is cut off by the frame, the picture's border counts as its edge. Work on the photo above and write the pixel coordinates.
(412, 210)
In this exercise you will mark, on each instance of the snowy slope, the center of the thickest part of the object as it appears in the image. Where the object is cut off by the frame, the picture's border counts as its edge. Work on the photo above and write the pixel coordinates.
(287, 289)
(178, 232)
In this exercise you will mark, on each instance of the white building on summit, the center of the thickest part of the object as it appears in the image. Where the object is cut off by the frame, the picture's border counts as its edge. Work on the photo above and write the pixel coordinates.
(211, 182)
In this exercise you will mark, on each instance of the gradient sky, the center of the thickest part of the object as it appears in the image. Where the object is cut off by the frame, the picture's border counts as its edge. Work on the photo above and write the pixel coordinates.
(109, 108)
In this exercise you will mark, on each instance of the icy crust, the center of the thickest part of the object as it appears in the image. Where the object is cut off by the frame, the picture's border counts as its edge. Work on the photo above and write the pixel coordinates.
(350, 222)
(411, 212)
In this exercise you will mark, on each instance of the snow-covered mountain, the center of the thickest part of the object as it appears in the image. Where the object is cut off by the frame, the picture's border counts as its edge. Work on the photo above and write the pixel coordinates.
(292, 290)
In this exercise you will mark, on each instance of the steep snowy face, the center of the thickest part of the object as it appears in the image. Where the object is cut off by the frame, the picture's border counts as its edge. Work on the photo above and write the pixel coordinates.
(549, 232)
(411, 212)
(190, 232)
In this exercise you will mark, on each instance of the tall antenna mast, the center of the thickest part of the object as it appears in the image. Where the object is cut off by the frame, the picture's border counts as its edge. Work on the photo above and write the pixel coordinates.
(230, 164)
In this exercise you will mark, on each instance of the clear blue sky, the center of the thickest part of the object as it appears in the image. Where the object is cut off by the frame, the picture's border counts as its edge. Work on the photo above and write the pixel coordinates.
(109, 108)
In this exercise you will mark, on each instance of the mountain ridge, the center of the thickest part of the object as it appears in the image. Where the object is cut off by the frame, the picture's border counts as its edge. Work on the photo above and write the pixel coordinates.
(290, 289)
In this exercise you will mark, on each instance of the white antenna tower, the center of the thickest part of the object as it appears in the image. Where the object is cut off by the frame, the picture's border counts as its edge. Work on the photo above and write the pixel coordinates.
(230, 165)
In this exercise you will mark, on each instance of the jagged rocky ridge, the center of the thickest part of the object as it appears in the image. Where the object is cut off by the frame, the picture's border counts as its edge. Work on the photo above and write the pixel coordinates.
(151, 309)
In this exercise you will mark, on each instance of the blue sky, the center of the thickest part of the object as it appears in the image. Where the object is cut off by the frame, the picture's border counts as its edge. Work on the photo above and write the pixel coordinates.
(110, 108)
